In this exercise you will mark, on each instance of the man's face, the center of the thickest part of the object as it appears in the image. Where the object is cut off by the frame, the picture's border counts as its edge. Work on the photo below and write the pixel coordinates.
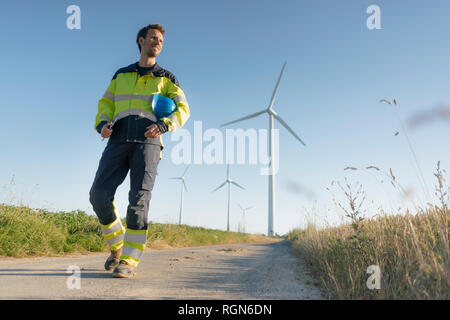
(153, 43)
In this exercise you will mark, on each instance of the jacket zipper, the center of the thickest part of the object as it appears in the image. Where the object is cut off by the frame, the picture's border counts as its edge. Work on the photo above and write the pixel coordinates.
(135, 119)
(129, 138)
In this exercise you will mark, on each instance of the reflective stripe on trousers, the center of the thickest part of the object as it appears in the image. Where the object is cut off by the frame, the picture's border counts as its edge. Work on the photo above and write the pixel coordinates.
(134, 246)
(114, 234)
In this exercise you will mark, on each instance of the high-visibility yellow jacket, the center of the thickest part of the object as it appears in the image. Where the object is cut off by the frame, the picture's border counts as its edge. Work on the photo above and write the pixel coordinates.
(127, 103)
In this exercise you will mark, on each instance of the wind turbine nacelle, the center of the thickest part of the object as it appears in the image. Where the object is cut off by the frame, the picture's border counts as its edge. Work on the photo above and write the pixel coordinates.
(162, 106)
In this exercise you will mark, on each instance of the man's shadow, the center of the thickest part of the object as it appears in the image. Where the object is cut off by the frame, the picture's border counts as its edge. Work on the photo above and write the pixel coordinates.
(84, 273)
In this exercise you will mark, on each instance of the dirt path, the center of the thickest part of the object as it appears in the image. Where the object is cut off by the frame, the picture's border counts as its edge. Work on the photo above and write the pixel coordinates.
(234, 271)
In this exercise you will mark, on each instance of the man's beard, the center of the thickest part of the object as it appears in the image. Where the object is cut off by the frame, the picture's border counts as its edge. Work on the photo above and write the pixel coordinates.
(152, 54)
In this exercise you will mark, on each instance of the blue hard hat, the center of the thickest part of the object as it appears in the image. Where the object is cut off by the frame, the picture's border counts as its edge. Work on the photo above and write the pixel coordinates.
(162, 106)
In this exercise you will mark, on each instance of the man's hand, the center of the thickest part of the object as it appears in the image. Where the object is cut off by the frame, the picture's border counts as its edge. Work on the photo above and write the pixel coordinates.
(152, 131)
(106, 130)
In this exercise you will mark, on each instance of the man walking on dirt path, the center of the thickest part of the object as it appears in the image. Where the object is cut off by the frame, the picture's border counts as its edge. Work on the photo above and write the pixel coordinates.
(125, 116)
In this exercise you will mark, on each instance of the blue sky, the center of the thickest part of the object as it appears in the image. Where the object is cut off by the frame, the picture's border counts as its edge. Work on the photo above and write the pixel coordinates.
(227, 56)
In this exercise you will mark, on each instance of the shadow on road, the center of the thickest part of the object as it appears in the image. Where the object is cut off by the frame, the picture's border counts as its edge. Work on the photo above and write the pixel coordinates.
(85, 273)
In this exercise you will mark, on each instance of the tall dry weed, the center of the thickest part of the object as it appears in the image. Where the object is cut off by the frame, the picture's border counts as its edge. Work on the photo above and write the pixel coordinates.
(411, 250)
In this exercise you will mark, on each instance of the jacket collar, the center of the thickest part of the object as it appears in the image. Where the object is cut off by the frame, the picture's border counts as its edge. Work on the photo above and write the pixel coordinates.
(155, 71)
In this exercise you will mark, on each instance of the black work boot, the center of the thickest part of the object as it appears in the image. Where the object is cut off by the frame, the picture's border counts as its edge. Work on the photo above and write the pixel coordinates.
(124, 270)
(113, 259)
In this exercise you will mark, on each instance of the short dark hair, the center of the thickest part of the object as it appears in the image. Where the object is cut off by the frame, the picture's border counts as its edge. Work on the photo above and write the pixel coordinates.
(143, 32)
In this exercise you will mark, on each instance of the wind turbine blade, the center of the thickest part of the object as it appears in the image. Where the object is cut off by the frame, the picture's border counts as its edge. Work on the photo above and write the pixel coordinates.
(289, 129)
(185, 170)
(184, 184)
(244, 118)
(228, 171)
(176, 178)
(248, 208)
(241, 207)
(237, 185)
(219, 187)
(276, 87)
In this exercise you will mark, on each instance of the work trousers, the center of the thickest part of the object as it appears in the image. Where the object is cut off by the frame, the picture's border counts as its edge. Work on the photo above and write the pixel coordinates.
(141, 160)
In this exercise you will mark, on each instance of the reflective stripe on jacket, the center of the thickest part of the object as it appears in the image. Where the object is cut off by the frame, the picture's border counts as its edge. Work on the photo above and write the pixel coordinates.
(127, 103)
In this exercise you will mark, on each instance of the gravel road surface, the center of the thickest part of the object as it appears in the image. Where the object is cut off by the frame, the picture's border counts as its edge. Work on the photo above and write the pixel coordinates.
(232, 271)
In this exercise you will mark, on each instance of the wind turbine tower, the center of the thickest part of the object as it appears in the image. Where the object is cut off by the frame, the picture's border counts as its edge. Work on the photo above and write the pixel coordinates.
(183, 186)
(272, 115)
(229, 182)
(243, 214)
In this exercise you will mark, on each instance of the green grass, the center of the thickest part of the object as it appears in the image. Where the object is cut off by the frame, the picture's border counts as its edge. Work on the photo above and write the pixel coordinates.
(27, 232)
(170, 235)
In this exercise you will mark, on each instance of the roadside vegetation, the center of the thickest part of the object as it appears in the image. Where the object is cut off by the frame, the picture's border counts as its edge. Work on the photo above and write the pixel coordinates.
(28, 232)
(411, 249)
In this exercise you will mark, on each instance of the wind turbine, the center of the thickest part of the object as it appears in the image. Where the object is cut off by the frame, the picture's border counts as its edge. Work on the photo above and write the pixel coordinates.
(229, 181)
(243, 214)
(183, 186)
(272, 114)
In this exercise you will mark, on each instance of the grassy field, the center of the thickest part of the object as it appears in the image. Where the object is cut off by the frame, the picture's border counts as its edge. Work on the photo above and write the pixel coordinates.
(27, 232)
(411, 251)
